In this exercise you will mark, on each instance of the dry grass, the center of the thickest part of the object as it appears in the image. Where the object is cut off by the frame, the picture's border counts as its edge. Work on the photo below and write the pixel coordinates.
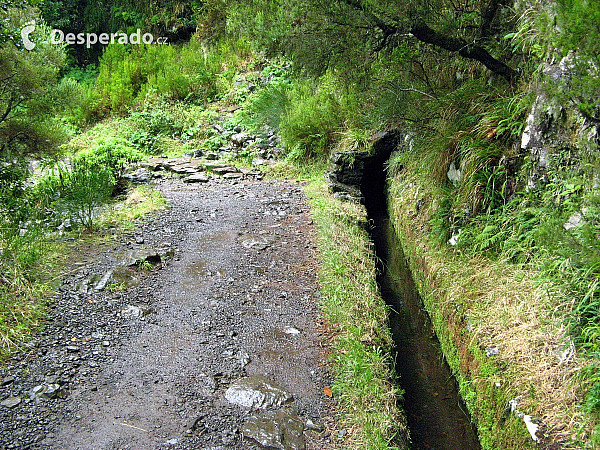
(502, 306)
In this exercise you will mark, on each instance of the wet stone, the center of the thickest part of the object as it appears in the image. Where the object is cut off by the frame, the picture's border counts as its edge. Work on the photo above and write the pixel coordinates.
(147, 255)
(7, 380)
(48, 391)
(11, 402)
(257, 392)
(233, 176)
(313, 426)
(101, 285)
(131, 312)
(276, 429)
(125, 276)
(291, 330)
(197, 178)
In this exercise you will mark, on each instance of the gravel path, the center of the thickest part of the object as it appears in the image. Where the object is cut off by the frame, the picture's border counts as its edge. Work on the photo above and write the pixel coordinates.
(148, 366)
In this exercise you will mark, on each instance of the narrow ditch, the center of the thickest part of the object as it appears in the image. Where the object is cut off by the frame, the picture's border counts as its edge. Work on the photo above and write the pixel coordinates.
(436, 415)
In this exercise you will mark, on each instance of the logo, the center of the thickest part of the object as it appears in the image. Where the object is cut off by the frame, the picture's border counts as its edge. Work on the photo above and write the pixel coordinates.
(58, 37)
(89, 39)
(25, 32)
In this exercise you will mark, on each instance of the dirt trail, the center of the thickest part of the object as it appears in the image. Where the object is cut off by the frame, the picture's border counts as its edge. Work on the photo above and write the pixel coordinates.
(149, 366)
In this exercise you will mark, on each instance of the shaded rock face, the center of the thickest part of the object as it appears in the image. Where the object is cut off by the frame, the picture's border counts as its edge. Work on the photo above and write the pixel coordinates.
(556, 135)
(350, 172)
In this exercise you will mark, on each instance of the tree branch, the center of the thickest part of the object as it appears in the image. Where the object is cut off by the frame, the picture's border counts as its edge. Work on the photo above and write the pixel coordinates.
(426, 34)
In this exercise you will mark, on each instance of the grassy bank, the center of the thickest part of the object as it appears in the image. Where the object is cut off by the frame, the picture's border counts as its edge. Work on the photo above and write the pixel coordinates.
(501, 331)
(33, 263)
(357, 318)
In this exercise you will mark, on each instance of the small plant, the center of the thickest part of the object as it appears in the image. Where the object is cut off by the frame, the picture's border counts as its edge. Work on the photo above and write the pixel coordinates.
(146, 266)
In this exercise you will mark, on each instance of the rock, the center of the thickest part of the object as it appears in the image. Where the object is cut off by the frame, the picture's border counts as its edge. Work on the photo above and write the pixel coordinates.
(48, 391)
(72, 348)
(52, 391)
(184, 169)
(492, 351)
(131, 312)
(125, 276)
(347, 197)
(101, 285)
(276, 429)
(141, 175)
(156, 164)
(10, 402)
(240, 139)
(149, 255)
(348, 169)
(257, 392)
(139, 240)
(454, 238)
(455, 174)
(7, 380)
(255, 242)
(243, 359)
(199, 177)
(259, 162)
(313, 426)
(212, 156)
(532, 427)
(576, 220)
(224, 170)
(291, 330)
(565, 351)
(233, 176)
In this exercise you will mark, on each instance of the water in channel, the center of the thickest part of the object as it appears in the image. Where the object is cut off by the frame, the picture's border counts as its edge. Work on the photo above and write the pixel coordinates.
(436, 415)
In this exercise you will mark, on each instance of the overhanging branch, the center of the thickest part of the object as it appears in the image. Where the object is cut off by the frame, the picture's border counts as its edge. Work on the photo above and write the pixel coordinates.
(428, 35)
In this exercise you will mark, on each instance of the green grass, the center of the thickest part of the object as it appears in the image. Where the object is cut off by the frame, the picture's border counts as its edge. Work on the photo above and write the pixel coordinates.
(28, 266)
(140, 201)
(357, 319)
(32, 265)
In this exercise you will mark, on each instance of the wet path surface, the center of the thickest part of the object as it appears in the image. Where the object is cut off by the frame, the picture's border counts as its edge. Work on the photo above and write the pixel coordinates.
(155, 365)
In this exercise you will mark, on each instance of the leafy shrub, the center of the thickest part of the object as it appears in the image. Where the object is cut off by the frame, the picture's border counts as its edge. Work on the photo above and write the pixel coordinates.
(267, 106)
(77, 188)
(82, 188)
(14, 209)
(315, 117)
(131, 75)
(115, 154)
